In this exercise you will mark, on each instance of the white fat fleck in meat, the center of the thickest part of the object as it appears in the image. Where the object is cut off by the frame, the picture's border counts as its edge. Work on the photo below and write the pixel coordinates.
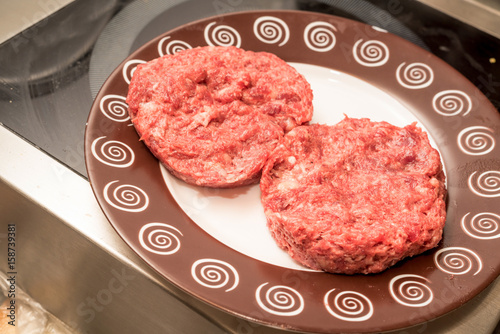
(203, 118)
(288, 184)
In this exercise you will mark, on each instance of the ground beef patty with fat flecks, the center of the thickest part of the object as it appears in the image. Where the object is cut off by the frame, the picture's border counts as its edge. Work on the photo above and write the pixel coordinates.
(212, 115)
(355, 197)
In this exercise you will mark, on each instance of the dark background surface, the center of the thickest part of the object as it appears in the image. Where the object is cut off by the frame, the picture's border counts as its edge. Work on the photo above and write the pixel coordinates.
(47, 84)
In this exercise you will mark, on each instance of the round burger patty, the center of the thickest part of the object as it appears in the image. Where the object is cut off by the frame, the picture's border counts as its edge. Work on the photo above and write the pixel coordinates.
(212, 115)
(355, 197)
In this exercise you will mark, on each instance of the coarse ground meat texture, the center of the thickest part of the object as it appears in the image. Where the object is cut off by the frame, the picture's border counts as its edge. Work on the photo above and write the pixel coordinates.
(355, 197)
(212, 115)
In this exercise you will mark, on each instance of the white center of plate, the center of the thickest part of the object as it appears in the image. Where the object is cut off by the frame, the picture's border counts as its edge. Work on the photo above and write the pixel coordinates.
(235, 217)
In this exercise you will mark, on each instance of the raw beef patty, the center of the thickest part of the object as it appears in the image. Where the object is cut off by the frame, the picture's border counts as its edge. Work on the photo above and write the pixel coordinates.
(212, 115)
(355, 197)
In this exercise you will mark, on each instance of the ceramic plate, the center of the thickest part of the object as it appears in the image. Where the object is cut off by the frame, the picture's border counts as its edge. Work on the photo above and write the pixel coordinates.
(214, 243)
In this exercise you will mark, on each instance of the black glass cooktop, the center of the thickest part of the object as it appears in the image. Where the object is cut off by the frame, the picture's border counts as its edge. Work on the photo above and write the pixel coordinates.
(50, 73)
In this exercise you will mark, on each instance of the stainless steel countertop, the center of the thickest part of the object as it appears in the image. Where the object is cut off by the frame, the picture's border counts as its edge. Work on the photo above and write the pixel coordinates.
(482, 14)
(16, 16)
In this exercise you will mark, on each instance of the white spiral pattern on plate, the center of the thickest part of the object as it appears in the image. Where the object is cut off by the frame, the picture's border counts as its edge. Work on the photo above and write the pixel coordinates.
(160, 238)
(215, 274)
(319, 36)
(379, 29)
(271, 30)
(486, 184)
(114, 107)
(348, 305)
(279, 300)
(370, 53)
(129, 69)
(414, 75)
(221, 35)
(125, 197)
(411, 290)
(458, 261)
(112, 153)
(172, 46)
(452, 103)
(476, 140)
(484, 226)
